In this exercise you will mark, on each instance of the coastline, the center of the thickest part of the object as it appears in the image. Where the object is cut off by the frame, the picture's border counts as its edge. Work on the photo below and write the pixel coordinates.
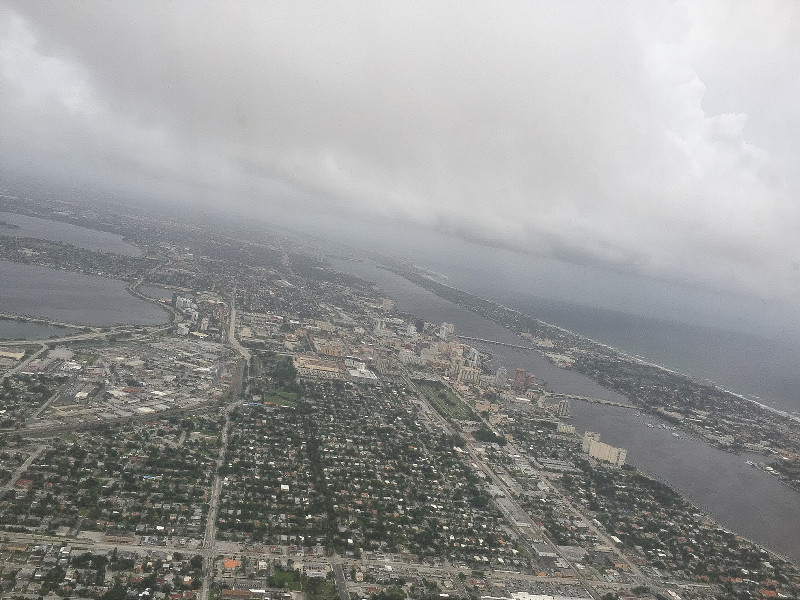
(717, 499)
(133, 290)
(708, 514)
(631, 357)
(79, 295)
(732, 428)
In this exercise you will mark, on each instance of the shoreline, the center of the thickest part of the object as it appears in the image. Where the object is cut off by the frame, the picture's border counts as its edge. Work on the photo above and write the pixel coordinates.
(710, 515)
(131, 287)
(40, 320)
(615, 354)
(701, 507)
(133, 290)
(621, 353)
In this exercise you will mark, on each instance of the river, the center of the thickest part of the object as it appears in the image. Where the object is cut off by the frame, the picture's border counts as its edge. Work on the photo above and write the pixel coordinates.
(741, 498)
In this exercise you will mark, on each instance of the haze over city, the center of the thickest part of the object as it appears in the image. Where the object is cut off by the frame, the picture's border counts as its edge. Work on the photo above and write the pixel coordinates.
(399, 301)
(597, 147)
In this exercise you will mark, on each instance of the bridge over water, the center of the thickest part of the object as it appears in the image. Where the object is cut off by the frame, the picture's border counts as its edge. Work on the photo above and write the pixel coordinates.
(495, 342)
(559, 396)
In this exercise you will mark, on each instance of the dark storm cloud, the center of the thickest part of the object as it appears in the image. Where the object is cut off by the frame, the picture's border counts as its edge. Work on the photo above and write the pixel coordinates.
(652, 138)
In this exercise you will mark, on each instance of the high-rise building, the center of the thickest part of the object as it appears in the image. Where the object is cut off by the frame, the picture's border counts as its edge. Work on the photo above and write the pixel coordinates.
(446, 331)
(520, 378)
(563, 408)
(565, 429)
(474, 357)
(588, 438)
(181, 302)
(468, 374)
(380, 326)
(601, 451)
(501, 377)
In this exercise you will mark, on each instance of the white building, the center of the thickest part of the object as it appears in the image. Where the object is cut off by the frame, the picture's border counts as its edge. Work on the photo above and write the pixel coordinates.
(446, 331)
(601, 451)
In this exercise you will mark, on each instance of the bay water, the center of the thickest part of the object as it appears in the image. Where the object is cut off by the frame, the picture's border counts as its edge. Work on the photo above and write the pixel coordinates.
(67, 233)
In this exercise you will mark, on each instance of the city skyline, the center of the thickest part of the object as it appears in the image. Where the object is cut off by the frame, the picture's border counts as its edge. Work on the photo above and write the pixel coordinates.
(650, 146)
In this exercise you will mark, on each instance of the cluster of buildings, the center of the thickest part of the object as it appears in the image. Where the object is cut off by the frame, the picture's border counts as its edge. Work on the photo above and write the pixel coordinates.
(21, 395)
(671, 541)
(132, 379)
(145, 483)
(368, 442)
(358, 469)
(57, 570)
(202, 316)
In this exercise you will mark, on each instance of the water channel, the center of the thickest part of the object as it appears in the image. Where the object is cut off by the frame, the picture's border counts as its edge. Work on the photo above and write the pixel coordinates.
(738, 496)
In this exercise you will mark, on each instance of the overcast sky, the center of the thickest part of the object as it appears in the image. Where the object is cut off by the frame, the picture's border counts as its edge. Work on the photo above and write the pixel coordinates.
(659, 140)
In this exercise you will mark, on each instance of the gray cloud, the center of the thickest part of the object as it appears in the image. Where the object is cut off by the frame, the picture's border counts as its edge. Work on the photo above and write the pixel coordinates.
(654, 138)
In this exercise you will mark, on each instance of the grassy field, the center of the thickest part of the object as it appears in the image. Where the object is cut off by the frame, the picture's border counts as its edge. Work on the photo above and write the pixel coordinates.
(282, 398)
(444, 400)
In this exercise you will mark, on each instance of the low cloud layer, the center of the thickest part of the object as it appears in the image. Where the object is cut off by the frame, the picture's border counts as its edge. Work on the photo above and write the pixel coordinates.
(651, 138)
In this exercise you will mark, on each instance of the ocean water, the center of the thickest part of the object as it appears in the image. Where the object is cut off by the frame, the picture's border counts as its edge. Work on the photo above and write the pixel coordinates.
(736, 343)
(747, 345)
(759, 367)
(744, 344)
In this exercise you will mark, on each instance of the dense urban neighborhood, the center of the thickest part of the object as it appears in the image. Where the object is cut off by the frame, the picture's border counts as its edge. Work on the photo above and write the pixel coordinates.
(287, 434)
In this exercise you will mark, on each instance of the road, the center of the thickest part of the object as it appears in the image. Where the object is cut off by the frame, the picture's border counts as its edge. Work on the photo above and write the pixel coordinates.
(41, 320)
(341, 582)
(23, 467)
(31, 431)
(25, 362)
(61, 390)
(91, 335)
(209, 546)
(244, 352)
(372, 564)
(508, 495)
(589, 584)
(133, 290)
(210, 537)
(601, 536)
